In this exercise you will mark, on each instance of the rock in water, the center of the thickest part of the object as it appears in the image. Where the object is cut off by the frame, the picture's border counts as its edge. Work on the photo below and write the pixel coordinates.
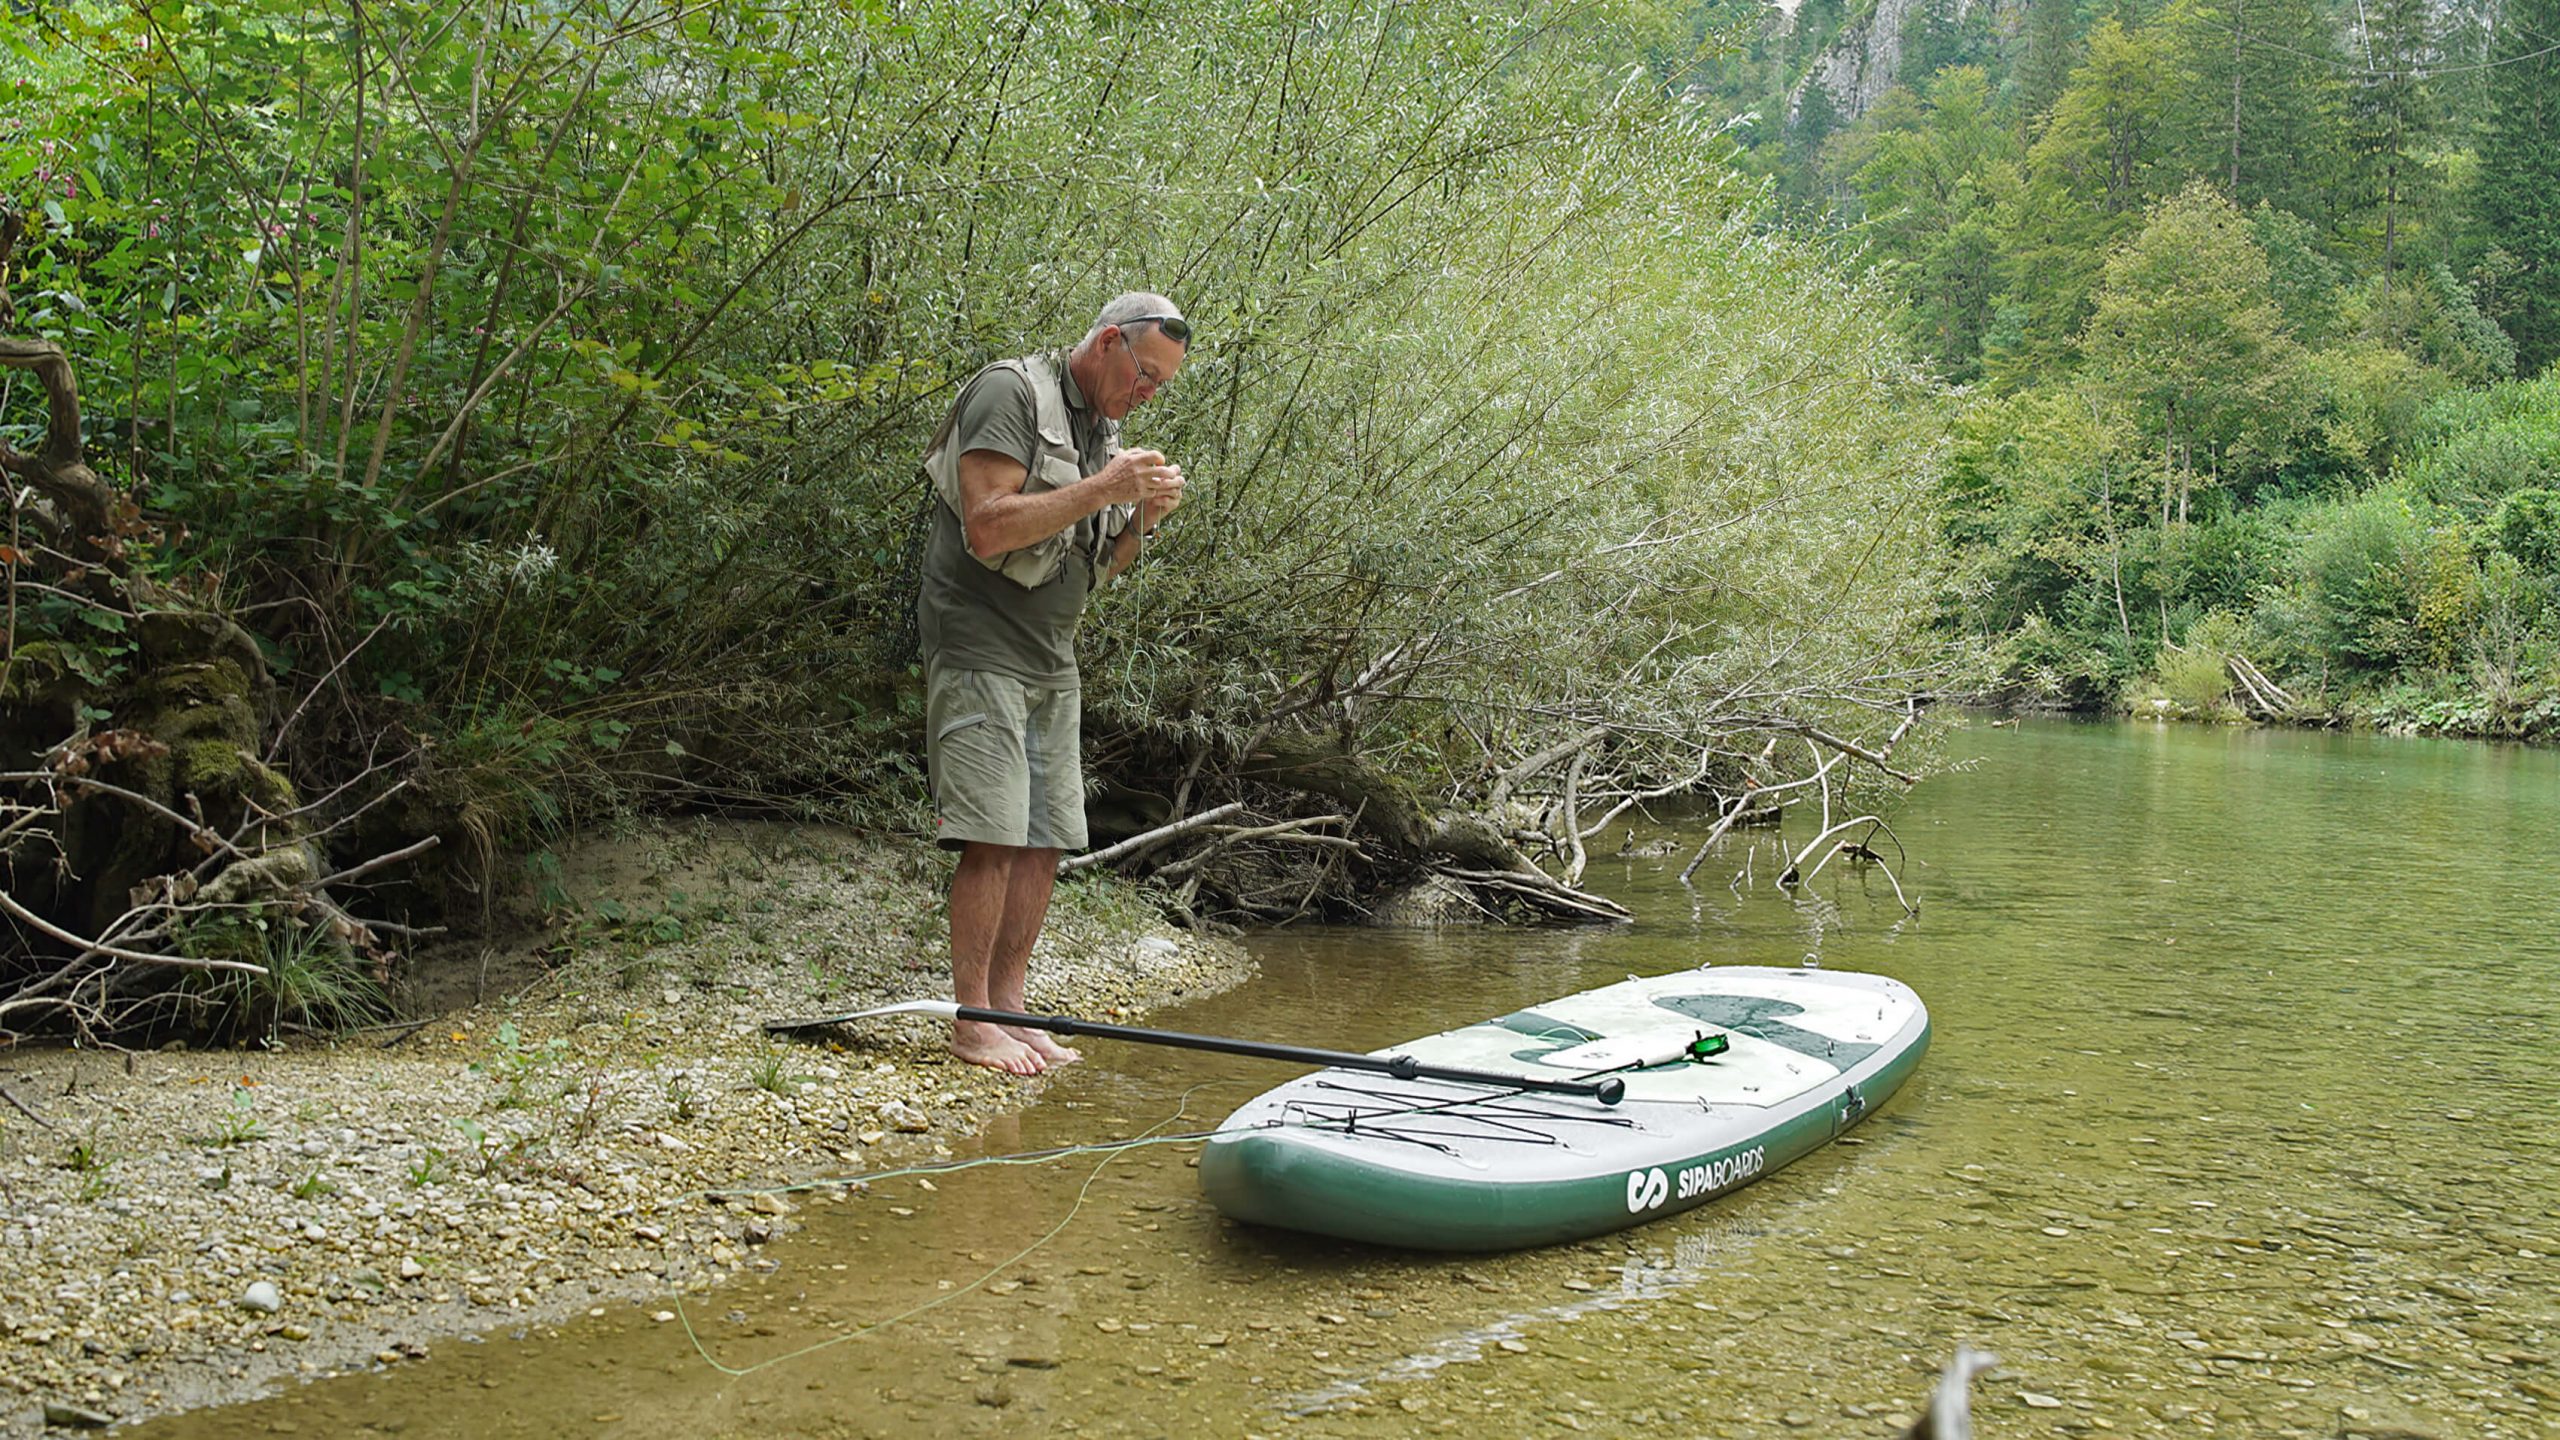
(72, 1417)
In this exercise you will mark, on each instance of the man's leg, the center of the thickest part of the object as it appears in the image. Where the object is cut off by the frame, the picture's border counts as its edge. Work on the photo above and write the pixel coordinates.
(1026, 907)
(980, 899)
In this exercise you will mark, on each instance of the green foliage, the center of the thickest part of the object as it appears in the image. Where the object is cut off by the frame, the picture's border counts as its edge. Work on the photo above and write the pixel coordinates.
(239, 1125)
(2526, 525)
(2314, 402)
(2253, 107)
(2368, 397)
(2186, 331)
(2475, 446)
(771, 1073)
(2195, 676)
(2356, 567)
(577, 366)
(520, 1067)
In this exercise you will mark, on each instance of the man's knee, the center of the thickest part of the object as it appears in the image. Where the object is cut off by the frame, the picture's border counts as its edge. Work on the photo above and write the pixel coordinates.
(986, 855)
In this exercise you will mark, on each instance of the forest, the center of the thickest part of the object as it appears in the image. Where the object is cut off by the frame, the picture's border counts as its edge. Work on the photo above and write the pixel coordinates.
(436, 429)
(2255, 303)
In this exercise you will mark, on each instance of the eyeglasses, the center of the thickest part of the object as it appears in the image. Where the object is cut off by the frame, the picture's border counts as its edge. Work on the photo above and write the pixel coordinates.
(1144, 373)
(1175, 328)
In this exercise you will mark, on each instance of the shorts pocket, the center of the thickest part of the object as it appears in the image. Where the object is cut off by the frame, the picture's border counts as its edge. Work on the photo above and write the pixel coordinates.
(963, 723)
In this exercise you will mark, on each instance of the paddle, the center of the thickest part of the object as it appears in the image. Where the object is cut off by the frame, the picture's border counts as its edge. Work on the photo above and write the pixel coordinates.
(1402, 1067)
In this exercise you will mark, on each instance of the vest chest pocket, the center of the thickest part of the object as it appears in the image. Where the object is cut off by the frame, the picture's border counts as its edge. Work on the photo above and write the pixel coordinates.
(1036, 564)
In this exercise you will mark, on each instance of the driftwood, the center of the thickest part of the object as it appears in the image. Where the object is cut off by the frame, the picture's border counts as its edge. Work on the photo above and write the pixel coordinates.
(1829, 833)
(1068, 865)
(2265, 695)
(1314, 821)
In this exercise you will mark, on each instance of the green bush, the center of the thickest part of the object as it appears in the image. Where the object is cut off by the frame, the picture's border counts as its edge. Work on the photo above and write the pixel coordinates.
(2526, 525)
(2195, 676)
(2474, 447)
(2354, 569)
(595, 473)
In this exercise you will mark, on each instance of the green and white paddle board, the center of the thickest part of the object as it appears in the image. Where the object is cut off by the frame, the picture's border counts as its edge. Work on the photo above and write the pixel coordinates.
(1440, 1165)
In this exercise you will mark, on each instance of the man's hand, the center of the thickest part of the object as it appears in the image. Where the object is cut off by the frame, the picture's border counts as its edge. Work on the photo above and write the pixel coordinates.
(1143, 477)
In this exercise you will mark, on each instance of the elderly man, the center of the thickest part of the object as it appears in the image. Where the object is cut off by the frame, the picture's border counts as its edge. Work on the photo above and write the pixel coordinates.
(1038, 506)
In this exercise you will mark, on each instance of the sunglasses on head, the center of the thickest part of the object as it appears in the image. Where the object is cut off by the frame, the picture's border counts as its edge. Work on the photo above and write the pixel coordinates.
(1175, 328)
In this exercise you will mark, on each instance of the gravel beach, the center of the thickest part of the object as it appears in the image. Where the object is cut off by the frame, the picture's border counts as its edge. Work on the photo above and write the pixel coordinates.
(184, 1227)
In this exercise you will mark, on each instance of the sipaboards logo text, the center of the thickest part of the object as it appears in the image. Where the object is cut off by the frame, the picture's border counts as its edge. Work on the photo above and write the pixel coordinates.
(1649, 1188)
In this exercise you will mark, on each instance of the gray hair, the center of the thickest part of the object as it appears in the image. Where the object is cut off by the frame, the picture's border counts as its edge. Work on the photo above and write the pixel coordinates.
(1133, 306)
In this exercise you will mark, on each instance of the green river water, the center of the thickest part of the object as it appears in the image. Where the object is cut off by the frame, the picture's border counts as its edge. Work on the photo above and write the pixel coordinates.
(2238, 1121)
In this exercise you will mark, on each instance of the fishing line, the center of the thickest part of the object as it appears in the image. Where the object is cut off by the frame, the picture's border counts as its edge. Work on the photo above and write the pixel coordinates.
(1113, 1150)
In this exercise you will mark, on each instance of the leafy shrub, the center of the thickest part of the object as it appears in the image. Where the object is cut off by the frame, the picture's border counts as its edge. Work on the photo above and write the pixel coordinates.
(2354, 568)
(2475, 446)
(2195, 676)
(2526, 525)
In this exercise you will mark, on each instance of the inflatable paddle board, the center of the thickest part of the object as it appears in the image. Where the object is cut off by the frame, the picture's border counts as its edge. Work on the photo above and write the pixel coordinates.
(1730, 1073)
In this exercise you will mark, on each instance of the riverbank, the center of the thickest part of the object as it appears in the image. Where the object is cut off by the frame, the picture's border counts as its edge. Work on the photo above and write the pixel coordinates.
(187, 1228)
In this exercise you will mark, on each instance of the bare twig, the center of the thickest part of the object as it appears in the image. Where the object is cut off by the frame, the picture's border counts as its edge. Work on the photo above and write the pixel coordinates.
(1545, 889)
(277, 745)
(1511, 778)
(88, 948)
(1742, 803)
(405, 852)
(21, 1107)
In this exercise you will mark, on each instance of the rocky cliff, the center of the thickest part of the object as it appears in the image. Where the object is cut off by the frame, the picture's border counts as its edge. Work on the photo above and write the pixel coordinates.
(1865, 59)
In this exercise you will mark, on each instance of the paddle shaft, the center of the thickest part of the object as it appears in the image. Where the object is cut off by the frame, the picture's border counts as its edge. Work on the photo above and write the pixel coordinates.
(1402, 1067)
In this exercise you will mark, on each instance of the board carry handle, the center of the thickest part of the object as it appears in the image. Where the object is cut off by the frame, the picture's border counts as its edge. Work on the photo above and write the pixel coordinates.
(1401, 1067)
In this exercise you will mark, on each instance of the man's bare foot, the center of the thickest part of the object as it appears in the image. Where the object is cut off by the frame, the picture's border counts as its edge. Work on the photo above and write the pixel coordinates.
(1047, 1049)
(989, 1045)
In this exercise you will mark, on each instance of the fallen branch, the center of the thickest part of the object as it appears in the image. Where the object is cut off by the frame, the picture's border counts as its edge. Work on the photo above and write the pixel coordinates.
(1741, 805)
(1790, 876)
(1511, 778)
(1286, 830)
(1135, 843)
(405, 852)
(1877, 757)
(1546, 890)
(2269, 696)
(88, 948)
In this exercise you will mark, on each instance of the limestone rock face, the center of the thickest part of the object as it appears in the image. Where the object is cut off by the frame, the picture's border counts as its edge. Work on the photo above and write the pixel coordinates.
(1865, 59)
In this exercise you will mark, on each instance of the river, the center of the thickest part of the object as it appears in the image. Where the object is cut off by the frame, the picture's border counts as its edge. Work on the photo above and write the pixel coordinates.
(2237, 1122)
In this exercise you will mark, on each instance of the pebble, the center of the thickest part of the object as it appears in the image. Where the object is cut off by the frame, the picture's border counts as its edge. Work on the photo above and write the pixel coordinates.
(262, 1297)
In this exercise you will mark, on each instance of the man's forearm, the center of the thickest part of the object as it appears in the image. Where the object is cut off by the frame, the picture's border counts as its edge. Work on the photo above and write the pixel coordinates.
(1003, 523)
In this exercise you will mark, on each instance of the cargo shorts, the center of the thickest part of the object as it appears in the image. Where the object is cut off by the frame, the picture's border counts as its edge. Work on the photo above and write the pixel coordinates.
(1005, 759)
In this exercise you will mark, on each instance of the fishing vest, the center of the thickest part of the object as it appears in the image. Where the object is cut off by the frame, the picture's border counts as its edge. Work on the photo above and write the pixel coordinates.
(1056, 466)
